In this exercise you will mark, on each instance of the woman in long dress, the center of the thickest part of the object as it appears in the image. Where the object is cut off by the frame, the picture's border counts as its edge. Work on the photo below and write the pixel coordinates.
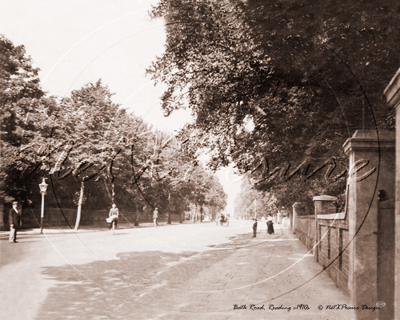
(113, 216)
(270, 225)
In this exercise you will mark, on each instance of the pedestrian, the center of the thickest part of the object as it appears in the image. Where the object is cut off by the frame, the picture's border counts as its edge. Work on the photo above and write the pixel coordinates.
(227, 219)
(113, 217)
(255, 228)
(155, 217)
(14, 219)
(270, 227)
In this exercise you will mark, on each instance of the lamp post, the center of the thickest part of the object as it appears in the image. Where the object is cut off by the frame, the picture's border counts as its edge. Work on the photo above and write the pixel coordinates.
(43, 188)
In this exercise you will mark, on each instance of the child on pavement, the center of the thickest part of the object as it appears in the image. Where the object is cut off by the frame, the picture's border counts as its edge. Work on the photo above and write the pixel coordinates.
(255, 228)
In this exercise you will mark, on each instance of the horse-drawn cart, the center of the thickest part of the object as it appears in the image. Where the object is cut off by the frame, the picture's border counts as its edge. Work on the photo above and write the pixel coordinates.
(223, 219)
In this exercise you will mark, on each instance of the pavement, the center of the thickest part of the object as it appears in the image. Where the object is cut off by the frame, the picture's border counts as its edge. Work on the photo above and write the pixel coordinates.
(178, 271)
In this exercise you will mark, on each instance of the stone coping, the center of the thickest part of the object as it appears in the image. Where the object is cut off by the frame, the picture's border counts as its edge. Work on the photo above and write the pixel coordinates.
(332, 216)
(324, 198)
(373, 135)
(392, 90)
(369, 139)
(311, 216)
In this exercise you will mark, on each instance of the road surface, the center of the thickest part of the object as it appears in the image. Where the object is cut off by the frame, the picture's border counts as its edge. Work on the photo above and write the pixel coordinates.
(187, 271)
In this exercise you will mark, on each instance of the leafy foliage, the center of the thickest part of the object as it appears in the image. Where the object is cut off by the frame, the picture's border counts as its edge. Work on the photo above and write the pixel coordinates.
(23, 106)
(250, 203)
(288, 81)
(86, 140)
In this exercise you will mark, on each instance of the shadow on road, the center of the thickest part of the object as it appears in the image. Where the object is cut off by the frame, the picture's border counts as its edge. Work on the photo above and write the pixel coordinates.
(135, 283)
(125, 288)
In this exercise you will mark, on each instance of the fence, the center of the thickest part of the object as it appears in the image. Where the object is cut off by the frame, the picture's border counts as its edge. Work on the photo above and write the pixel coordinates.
(65, 217)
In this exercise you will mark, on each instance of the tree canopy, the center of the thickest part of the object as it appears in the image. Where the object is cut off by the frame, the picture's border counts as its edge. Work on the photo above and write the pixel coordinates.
(87, 142)
(281, 83)
(251, 203)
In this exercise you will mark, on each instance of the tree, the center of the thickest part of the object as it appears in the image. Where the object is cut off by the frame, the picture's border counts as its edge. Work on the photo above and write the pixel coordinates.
(80, 137)
(216, 198)
(250, 202)
(286, 81)
(110, 146)
(180, 180)
(88, 119)
(23, 107)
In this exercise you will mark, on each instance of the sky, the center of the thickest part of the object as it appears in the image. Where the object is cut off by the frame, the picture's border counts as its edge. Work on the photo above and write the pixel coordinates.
(75, 42)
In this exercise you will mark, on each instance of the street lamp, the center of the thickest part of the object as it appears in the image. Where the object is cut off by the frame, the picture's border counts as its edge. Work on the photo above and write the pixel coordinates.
(43, 188)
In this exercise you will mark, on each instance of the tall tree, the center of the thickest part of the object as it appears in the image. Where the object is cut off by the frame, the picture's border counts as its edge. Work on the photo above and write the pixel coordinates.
(288, 81)
(23, 108)
(251, 202)
(216, 198)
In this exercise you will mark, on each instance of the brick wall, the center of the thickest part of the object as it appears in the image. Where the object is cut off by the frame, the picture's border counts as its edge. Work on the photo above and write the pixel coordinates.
(305, 230)
(333, 235)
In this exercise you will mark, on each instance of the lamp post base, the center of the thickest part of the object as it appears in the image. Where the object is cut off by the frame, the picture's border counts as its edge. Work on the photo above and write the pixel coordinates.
(41, 225)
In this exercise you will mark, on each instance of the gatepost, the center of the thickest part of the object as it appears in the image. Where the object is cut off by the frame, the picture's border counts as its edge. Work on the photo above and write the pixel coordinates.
(372, 165)
(296, 206)
(392, 93)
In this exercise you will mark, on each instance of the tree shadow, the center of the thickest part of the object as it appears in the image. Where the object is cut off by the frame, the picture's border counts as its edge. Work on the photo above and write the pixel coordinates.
(137, 285)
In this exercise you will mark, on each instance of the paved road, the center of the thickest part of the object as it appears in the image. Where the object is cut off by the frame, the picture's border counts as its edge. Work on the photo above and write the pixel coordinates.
(189, 271)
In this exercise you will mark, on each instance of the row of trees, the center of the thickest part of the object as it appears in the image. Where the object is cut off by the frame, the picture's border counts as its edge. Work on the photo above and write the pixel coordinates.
(278, 86)
(91, 150)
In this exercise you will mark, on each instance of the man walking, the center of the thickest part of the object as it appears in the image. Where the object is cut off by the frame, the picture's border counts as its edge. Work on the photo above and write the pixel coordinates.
(155, 217)
(13, 218)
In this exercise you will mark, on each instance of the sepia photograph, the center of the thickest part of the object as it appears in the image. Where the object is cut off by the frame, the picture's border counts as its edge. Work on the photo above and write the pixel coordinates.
(200, 159)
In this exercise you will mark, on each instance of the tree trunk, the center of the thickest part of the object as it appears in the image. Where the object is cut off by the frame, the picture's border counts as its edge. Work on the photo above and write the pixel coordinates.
(78, 214)
(169, 209)
(169, 218)
(137, 218)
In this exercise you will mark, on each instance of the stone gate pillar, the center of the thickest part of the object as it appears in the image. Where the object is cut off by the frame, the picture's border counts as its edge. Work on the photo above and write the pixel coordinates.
(392, 93)
(296, 207)
(324, 204)
(372, 166)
